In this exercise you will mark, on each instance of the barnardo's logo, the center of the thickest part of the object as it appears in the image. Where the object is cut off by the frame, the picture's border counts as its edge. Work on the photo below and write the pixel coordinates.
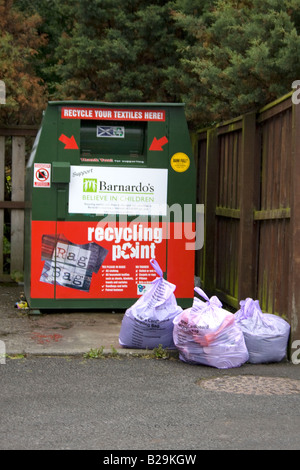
(126, 188)
(90, 185)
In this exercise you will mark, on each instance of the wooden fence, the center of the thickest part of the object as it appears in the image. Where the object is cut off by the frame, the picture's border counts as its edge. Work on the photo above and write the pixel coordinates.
(15, 146)
(249, 183)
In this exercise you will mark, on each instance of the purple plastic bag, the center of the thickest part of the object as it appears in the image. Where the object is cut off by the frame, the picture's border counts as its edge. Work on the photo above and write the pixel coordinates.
(266, 335)
(207, 334)
(149, 322)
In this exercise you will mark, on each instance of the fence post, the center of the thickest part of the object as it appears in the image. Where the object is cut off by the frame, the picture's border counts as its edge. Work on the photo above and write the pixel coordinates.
(210, 209)
(294, 262)
(17, 215)
(247, 242)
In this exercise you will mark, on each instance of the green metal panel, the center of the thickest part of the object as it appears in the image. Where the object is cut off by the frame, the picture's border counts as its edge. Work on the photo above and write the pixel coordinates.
(113, 139)
(89, 136)
(61, 172)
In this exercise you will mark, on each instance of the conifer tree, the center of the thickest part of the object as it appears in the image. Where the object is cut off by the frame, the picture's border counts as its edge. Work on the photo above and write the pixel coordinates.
(19, 43)
(238, 56)
(118, 51)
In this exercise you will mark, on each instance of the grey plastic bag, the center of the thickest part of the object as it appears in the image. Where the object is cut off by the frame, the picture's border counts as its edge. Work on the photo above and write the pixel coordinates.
(207, 334)
(149, 322)
(266, 335)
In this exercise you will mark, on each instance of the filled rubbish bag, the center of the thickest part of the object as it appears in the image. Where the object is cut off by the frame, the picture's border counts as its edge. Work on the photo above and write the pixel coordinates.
(266, 335)
(207, 334)
(149, 322)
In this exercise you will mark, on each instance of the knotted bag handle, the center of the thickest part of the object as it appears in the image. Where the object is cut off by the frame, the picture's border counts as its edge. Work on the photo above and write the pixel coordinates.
(207, 339)
(210, 301)
(156, 267)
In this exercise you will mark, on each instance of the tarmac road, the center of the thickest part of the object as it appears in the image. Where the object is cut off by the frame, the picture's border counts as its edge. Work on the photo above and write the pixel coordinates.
(54, 398)
(145, 404)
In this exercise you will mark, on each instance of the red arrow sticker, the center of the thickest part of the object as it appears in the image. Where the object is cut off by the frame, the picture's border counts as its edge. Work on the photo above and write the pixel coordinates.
(70, 142)
(157, 144)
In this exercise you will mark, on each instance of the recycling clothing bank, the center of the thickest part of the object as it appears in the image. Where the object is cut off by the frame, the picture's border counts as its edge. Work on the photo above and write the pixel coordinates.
(109, 186)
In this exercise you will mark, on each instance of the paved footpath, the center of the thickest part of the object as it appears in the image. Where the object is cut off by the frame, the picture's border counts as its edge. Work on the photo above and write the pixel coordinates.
(57, 333)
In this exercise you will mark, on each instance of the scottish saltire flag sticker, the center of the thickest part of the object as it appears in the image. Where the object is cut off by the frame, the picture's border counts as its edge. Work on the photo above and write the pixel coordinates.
(116, 132)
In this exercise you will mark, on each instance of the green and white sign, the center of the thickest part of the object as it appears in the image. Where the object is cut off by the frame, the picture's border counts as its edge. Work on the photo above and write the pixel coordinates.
(116, 190)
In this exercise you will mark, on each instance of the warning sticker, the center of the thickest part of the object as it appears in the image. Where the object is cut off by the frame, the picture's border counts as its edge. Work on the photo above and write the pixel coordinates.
(42, 175)
(180, 162)
(111, 131)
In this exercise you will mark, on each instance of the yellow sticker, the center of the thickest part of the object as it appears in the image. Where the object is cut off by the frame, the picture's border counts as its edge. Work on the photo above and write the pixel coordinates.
(180, 162)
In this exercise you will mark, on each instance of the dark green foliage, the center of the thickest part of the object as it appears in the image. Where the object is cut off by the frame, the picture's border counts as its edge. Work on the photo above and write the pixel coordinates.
(239, 56)
(221, 57)
(118, 51)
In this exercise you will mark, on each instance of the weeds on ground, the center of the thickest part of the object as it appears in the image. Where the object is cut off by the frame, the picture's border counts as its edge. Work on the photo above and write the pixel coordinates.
(98, 353)
(160, 353)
